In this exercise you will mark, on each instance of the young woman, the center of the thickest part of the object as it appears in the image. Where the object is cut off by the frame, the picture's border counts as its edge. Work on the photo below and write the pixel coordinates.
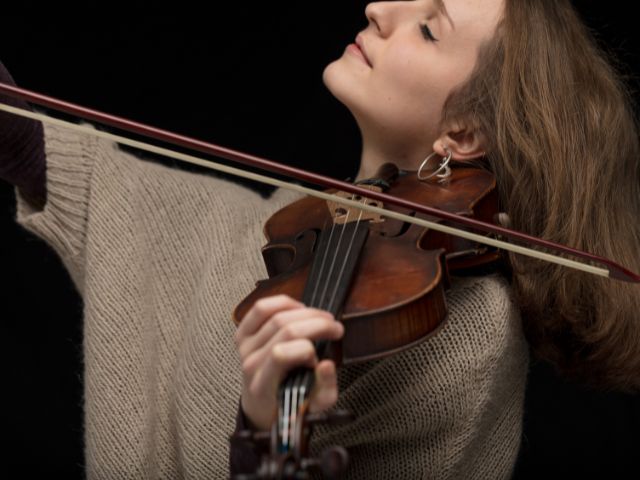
(515, 87)
(520, 88)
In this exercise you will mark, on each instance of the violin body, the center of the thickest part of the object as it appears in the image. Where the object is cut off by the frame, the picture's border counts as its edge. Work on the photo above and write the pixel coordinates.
(396, 297)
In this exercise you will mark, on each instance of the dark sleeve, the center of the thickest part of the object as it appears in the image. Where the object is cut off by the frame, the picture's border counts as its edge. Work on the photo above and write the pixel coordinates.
(244, 457)
(22, 157)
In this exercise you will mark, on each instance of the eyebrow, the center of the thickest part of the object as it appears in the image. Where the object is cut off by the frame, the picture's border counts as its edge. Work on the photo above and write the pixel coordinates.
(443, 9)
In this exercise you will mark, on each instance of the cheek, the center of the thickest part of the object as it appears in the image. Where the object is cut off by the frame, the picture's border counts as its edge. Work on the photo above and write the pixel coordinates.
(399, 73)
(411, 86)
(421, 80)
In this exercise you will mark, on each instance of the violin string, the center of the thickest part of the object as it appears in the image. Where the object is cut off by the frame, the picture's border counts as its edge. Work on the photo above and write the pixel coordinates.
(303, 389)
(298, 395)
(336, 251)
(295, 394)
(345, 259)
(302, 396)
(287, 415)
(315, 301)
(327, 277)
(298, 392)
(294, 409)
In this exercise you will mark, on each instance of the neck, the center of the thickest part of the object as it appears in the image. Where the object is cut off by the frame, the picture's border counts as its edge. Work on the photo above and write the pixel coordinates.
(375, 154)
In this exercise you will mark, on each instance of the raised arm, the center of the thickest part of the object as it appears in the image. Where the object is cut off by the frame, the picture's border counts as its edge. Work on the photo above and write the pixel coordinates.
(22, 158)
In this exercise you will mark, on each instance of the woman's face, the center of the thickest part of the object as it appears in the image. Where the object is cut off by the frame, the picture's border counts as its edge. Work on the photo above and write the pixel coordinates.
(417, 52)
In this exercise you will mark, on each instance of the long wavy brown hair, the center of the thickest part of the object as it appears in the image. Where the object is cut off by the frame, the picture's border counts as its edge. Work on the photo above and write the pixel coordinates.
(563, 142)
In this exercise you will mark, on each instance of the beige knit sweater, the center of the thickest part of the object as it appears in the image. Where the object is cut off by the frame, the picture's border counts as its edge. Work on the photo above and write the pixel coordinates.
(161, 256)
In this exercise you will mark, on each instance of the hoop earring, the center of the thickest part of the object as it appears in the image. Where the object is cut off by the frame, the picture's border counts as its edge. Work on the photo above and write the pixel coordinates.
(442, 172)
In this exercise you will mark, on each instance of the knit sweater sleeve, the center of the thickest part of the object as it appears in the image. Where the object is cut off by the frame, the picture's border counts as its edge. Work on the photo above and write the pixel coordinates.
(160, 256)
(62, 222)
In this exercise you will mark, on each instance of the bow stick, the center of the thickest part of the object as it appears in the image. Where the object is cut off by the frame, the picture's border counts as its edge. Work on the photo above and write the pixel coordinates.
(607, 267)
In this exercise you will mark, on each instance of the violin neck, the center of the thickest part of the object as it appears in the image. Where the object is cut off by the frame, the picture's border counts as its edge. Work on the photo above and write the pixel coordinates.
(335, 259)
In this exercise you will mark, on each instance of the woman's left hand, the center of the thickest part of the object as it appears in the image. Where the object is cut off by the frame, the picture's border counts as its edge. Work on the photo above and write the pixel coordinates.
(274, 337)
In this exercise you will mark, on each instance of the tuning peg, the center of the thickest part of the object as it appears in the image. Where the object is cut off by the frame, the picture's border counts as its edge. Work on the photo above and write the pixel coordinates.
(332, 463)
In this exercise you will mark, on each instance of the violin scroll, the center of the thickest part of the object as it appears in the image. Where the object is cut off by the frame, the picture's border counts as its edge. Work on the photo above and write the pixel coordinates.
(289, 465)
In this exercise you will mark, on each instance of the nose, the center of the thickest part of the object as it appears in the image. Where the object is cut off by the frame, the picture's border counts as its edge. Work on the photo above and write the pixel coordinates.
(373, 12)
(381, 15)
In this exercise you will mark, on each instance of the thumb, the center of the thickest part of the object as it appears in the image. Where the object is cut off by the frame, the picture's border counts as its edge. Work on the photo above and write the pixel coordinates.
(325, 391)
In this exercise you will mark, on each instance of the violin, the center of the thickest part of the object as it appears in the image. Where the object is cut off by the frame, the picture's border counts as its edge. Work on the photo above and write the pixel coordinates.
(383, 278)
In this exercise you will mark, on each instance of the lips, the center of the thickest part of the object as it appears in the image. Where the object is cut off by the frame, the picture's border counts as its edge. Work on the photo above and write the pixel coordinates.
(360, 44)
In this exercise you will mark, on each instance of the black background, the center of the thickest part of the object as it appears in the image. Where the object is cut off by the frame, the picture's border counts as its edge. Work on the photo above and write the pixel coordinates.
(246, 76)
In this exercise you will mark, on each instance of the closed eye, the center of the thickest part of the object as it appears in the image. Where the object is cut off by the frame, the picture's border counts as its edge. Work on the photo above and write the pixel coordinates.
(426, 32)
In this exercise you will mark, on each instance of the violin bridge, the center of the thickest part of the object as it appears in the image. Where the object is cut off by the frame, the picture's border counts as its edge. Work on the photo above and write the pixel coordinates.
(342, 214)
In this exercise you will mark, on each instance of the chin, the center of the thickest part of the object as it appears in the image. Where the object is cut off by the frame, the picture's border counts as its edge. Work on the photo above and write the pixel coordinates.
(341, 84)
(329, 76)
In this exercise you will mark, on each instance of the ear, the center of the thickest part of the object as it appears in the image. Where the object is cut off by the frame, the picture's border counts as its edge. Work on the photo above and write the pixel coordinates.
(465, 143)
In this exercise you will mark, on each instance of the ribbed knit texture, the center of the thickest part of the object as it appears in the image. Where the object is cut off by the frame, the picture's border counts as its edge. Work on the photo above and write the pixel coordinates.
(161, 257)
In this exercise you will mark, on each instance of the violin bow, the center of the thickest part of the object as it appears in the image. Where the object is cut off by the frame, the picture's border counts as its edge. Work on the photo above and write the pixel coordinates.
(592, 263)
